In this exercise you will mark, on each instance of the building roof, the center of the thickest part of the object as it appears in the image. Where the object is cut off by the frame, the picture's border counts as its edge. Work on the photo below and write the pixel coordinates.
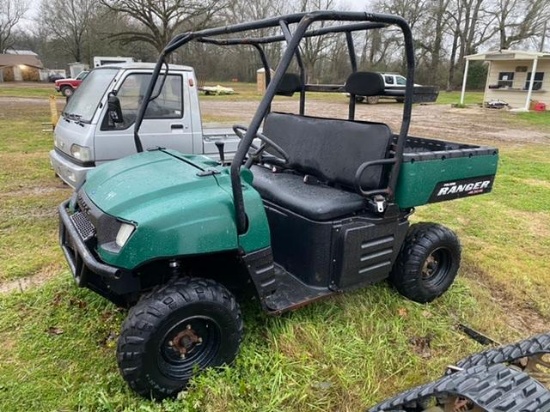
(508, 55)
(24, 52)
(16, 59)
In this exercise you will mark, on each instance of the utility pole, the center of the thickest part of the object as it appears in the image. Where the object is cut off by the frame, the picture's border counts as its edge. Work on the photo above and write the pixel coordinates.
(544, 29)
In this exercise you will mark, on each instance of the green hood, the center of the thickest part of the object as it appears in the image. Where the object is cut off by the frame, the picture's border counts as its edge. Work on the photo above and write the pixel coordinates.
(124, 187)
(176, 211)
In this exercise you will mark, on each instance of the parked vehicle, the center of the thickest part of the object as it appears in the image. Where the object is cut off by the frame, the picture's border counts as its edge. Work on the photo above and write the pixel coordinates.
(68, 86)
(394, 88)
(104, 60)
(320, 207)
(86, 135)
(55, 76)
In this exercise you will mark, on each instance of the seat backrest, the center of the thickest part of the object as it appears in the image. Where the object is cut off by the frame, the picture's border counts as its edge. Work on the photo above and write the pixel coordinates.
(290, 83)
(365, 84)
(330, 149)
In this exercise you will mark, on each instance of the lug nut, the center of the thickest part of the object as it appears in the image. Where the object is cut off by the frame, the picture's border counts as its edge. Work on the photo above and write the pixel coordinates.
(188, 326)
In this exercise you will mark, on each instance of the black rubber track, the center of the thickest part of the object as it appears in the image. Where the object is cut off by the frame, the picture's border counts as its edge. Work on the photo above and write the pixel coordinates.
(535, 345)
(422, 239)
(139, 345)
(494, 388)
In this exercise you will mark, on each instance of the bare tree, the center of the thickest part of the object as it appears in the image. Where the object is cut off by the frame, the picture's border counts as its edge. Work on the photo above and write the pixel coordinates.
(433, 34)
(157, 21)
(519, 20)
(68, 21)
(471, 26)
(11, 12)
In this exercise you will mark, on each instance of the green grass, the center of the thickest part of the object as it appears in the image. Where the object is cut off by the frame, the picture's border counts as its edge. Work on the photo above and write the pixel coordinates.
(345, 353)
(342, 354)
(535, 118)
(454, 97)
(28, 90)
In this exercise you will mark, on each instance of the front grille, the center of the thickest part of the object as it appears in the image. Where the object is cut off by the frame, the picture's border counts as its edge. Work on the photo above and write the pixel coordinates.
(83, 225)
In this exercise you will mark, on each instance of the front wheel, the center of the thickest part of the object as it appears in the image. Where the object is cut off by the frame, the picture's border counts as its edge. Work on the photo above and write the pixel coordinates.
(176, 331)
(427, 263)
(67, 91)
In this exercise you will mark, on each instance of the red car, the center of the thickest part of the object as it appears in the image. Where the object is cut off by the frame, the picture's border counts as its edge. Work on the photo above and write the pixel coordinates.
(68, 86)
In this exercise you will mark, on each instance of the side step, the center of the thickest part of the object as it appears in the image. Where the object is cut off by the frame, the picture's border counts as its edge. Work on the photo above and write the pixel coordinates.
(291, 293)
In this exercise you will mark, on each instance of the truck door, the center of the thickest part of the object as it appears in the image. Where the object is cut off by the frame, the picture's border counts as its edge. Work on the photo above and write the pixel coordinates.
(165, 124)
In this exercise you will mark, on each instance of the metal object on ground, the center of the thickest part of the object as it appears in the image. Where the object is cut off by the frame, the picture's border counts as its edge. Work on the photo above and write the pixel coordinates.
(511, 378)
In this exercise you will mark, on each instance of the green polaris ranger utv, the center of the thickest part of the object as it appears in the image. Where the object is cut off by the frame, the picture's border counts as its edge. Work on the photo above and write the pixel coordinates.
(309, 207)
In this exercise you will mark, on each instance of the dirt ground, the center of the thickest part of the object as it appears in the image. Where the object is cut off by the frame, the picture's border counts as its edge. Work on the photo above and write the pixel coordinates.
(472, 124)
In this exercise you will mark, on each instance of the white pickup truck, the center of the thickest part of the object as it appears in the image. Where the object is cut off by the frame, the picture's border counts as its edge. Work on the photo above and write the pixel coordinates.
(86, 136)
(394, 88)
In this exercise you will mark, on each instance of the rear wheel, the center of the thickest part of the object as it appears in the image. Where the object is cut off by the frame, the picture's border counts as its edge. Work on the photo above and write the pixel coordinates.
(373, 99)
(427, 263)
(176, 331)
(399, 99)
(67, 91)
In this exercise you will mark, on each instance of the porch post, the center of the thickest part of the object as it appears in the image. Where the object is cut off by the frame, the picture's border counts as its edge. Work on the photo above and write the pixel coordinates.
(464, 81)
(531, 82)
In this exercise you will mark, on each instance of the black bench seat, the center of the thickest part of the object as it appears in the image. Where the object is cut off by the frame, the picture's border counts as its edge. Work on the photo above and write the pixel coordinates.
(328, 150)
(313, 201)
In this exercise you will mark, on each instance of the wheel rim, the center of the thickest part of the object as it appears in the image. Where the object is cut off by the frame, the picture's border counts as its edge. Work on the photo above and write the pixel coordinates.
(436, 267)
(190, 344)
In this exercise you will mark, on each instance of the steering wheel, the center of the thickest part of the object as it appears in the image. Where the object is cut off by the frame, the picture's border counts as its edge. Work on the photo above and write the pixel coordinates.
(240, 131)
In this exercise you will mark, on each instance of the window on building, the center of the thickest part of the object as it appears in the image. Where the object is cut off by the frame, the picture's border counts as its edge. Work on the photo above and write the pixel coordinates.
(537, 82)
(505, 79)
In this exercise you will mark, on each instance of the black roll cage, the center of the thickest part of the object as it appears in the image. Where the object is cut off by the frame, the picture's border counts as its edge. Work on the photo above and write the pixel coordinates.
(300, 22)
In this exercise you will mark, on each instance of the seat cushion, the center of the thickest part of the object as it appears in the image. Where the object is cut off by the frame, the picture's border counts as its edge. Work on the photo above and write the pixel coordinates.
(314, 201)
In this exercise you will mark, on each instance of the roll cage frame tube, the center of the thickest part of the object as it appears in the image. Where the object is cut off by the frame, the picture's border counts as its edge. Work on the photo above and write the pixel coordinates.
(303, 21)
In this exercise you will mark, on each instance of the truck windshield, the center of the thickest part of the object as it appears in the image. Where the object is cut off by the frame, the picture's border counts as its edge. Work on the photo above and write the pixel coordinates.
(83, 104)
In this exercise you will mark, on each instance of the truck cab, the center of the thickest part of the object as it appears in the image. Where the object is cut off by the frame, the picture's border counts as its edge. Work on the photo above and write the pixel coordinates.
(86, 134)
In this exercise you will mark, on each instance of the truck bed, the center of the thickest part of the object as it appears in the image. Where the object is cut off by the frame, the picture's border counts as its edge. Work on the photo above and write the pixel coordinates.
(436, 171)
(214, 134)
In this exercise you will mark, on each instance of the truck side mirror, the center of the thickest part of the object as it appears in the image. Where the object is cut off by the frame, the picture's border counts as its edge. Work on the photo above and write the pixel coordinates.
(114, 109)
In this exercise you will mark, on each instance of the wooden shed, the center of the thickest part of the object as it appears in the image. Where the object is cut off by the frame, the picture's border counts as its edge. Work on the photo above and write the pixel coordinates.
(20, 67)
(516, 77)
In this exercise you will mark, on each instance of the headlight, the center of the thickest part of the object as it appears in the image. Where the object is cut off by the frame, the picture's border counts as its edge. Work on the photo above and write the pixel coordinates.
(124, 234)
(81, 153)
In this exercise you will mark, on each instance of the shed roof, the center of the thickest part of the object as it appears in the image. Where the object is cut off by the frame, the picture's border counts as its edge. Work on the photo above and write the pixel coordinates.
(508, 55)
(16, 59)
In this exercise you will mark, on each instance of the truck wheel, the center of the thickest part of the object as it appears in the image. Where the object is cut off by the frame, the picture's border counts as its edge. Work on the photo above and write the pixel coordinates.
(177, 330)
(399, 99)
(373, 99)
(359, 99)
(427, 263)
(67, 91)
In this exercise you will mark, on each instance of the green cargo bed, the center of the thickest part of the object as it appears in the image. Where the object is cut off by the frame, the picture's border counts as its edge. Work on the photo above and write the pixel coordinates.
(435, 171)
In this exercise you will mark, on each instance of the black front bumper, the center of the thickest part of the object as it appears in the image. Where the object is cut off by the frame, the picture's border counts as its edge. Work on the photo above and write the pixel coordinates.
(108, 281)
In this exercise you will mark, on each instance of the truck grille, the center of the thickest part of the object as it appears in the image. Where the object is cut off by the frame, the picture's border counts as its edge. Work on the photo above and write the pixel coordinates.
(83, 225)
